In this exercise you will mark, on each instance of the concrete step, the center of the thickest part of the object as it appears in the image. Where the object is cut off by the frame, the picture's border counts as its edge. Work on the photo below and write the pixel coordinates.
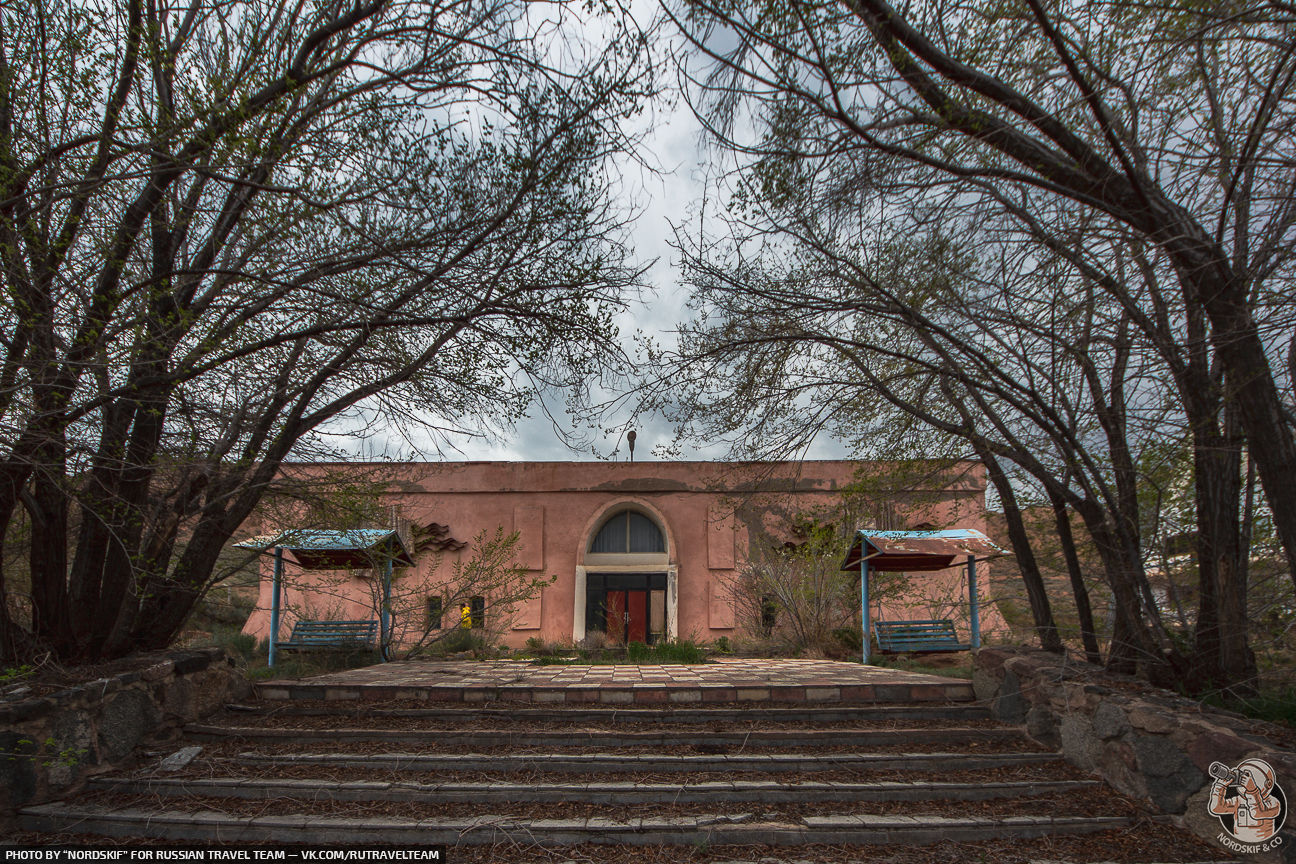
(720, 792)
(612, 763)
(272, 711)
(720, 829)
(348, 687)
(607, 738)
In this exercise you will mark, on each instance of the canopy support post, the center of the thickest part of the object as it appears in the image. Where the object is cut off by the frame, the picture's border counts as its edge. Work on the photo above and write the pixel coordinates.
(864, 605)
(383, 615)
(275, 582)
(973, 607)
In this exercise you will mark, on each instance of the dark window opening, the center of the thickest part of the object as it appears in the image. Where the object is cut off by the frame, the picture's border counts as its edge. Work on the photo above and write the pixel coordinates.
(769, 616)
(435, 611)
(477, 612)
(628, 532)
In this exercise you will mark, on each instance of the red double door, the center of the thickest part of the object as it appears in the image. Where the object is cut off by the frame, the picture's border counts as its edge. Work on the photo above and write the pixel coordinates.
(629, 607)
(627, 615)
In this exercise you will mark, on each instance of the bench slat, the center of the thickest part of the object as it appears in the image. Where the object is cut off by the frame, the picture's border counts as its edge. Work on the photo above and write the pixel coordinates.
(915, 637)
(331, 634)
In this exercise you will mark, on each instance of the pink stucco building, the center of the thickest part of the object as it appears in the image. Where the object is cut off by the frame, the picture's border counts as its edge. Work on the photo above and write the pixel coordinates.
(648, 549)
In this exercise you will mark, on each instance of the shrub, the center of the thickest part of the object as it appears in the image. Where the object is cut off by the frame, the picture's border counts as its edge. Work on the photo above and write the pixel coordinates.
(1275, 706)
(685, 652)
(795, 598)
(850, 638)
(243, 645)
(461, 639)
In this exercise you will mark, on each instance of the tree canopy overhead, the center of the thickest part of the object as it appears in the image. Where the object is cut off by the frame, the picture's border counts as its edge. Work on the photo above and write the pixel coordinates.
(1057, 235)
(227, 229)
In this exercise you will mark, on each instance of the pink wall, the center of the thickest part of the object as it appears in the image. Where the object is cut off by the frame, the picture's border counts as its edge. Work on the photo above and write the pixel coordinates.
(557, 506)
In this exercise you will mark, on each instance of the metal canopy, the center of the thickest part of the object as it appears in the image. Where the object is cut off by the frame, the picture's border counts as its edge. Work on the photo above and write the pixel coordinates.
(916, 551)
(353, 549)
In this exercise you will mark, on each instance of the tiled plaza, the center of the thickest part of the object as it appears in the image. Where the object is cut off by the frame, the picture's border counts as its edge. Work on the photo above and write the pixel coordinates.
(726, 680)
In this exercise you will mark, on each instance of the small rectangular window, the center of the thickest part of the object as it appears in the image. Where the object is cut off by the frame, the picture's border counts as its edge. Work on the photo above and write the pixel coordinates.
(769, 615)
(435, 608)
(477, 612)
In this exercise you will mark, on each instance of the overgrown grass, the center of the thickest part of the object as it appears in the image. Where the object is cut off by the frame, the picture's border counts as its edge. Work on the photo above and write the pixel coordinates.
(1275, 706)
(683, 652)
(253, 657)
(906, 663)
(307, 664)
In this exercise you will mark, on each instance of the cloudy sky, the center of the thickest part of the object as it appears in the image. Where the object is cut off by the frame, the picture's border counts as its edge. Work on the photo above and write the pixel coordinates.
(665, 187)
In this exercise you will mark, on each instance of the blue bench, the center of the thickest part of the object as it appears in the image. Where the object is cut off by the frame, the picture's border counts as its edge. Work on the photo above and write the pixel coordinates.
(917, 637)
(331, 635)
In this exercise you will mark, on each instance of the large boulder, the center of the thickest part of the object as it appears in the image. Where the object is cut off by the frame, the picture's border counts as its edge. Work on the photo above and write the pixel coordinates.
(125, 721)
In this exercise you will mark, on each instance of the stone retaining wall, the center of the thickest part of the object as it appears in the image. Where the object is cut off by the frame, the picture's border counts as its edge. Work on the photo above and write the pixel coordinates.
(49, 745)
(1145, 743)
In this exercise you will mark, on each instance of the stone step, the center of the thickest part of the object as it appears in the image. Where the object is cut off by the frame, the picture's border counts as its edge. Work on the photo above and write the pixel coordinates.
(743, 828)
(612, 763)
(928, 689)
(719, 792)
(832, 713)
(604, 738)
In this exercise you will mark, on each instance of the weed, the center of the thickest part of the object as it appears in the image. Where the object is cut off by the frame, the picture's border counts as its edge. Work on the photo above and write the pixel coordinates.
(305, 665)
(907, 663)
(722, 645)
(554, 661)
(243, 645)
(850, 638)
(684, 652)
(1274, 706)
(25, 748)
(67, 757)
(464, 639)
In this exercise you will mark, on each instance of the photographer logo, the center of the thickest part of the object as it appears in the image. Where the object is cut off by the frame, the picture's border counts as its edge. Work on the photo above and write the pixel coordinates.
(1250, 805)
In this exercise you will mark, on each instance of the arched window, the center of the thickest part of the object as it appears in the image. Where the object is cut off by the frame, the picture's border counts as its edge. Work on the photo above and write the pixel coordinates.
(628, 532)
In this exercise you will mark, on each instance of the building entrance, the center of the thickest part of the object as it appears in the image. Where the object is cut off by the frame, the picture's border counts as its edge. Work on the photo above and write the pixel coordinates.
(629, 607)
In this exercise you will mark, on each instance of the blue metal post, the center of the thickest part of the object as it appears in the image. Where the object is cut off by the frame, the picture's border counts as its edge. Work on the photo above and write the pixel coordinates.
(275, 582)
(973, 603)
(384, 624)
(864, 600)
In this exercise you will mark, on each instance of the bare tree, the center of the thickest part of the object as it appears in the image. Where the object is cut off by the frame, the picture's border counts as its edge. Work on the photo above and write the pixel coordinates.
(231, 232)
(1124, 148)
(835, 337)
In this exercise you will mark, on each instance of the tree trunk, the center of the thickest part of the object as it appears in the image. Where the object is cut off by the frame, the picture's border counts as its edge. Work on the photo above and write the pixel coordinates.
(1045, 626)
(1222, 630)
(1132, 640)
(1210, 281)
(1066, 539)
